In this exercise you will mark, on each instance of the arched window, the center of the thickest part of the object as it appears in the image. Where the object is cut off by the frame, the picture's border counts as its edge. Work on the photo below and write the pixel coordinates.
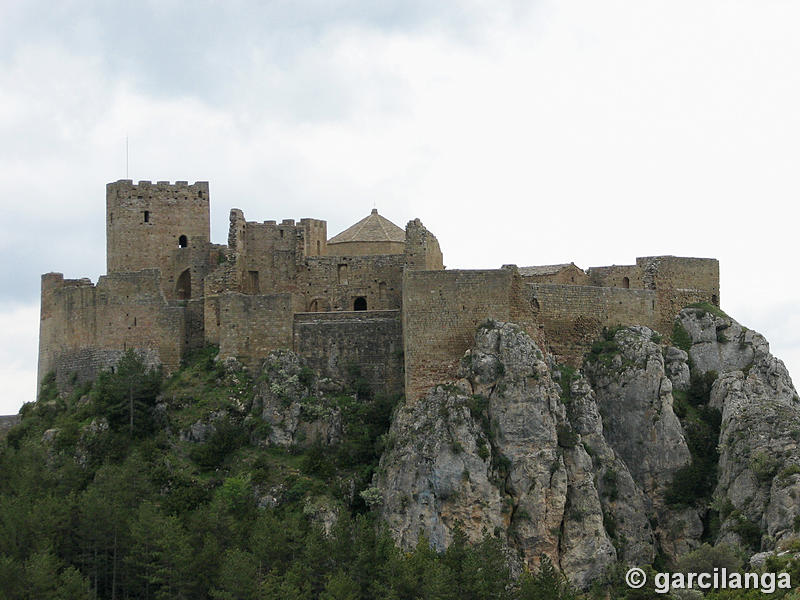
(626, 283)
(183, 242)
(360, 303)
(184, 288)
(314, 306)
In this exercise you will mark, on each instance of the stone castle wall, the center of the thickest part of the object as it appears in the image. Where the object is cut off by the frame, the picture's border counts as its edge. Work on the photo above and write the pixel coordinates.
(251, 326)
(281, 285)
(572, 316)
(441, 312)
(85, 328)
(343, 344)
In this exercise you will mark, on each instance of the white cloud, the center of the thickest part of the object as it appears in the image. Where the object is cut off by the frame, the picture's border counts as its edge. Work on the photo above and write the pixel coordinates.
(19, 330)
(585, 131)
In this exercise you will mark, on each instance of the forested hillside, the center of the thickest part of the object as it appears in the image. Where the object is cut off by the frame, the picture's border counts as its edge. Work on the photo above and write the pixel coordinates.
(220, 483)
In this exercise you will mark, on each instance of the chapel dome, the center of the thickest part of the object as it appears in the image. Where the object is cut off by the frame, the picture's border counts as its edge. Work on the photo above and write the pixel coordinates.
(374, 234)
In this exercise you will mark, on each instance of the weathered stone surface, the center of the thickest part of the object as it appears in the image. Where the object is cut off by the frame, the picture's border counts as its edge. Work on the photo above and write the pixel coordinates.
(497, 454)
(623, 502)
(676, 365)
(759, 466)
(292, 401)
(634, 395)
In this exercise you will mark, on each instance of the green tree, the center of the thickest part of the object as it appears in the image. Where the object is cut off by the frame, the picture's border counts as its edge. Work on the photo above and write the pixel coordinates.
(128, 395)
(547, 584)
(238, 577)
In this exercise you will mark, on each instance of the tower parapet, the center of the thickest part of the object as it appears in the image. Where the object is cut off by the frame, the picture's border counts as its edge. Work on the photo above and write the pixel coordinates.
(147, 223)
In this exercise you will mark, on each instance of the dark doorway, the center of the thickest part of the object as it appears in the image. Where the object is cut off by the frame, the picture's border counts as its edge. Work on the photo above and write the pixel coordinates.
(360, 303)
(626, 283)
(183, 242)
(184, 288)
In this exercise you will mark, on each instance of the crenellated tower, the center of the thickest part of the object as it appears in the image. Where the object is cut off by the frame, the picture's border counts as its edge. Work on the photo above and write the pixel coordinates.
(159, 226)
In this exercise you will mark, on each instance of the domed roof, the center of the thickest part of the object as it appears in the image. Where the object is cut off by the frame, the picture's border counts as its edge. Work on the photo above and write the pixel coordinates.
(373, 228)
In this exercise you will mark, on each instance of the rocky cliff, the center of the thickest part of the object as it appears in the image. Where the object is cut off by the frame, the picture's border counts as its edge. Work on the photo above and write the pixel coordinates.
(648, 450)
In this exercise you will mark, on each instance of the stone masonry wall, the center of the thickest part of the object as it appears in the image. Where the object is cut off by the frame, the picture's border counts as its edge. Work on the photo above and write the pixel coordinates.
(441, 312)
(573, 316)
(422, 248)
(334, 282)
(371, 341)
(251, 326)
(85, 328)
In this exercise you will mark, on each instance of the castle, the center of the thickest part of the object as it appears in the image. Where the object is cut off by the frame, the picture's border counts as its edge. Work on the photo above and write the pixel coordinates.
(374, 296)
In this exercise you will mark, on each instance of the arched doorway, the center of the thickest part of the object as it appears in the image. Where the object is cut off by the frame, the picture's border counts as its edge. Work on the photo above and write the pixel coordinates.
(184, 288)
(626, 283)
(360, 303)
(183, 242)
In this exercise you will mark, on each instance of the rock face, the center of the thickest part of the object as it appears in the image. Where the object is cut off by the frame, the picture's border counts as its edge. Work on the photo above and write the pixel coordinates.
(634, 392)
(292, 402)
(579, 466)
(499, 453)
(758, 486)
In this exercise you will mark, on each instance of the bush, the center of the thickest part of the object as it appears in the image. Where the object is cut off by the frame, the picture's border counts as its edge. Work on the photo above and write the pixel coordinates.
(706, 558)
(680, 337)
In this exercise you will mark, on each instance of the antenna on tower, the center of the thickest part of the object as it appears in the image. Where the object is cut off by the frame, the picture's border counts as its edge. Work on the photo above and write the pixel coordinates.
(126, 157)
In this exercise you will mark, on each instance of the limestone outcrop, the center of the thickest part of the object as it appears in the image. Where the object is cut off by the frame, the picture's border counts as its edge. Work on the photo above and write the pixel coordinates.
(583, 466)
(758, 482)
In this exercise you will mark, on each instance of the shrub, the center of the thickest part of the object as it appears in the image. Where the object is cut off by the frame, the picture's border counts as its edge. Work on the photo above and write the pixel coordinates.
(680, 337)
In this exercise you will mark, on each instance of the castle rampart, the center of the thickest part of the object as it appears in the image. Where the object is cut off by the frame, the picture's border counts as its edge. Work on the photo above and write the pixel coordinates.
(342, 345)
(374, 298)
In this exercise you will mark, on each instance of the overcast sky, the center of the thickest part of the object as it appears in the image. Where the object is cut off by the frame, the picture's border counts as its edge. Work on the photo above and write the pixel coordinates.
(519, 132)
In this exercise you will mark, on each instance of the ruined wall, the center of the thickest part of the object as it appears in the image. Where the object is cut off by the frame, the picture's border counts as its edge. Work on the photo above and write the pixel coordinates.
(422, 252)
(334, 282)
(268, 257)
(158, 226)
(251, 326)
(680, 273)
(679, 281)
(441, 312)
(315, 237)
(569, 275)
(621, 276)
(573, 316)
(85, 328)
(334, 343)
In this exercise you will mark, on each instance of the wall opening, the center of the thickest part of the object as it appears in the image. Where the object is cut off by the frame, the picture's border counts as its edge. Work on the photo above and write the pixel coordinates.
(253, 286)
(626, 282)
(314, 306)
(714, 300)
(360, 303)
(342, 273)
(535, 304)
(146, 215)
(184, 287)
(382, 290)
(318, 252)
(183, 242)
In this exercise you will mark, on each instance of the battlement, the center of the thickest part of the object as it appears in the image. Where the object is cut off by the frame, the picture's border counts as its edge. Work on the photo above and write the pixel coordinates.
(138, 191)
